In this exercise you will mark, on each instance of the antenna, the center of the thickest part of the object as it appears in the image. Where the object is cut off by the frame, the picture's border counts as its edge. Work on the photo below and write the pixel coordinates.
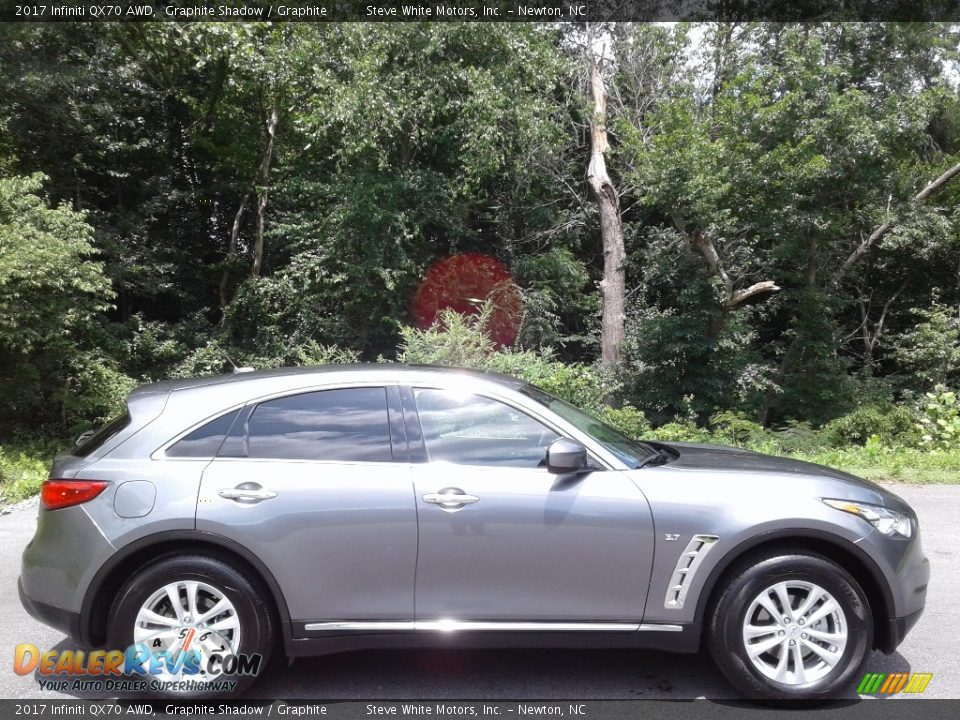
(229, 360)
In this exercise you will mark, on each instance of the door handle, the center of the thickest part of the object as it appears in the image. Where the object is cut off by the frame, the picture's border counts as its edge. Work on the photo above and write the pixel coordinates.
(247, 492)
(450, 498)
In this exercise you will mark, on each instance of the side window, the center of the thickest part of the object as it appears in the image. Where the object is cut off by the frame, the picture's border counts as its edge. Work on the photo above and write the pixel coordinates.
(346, 425)
(205, 441)
(474, 430)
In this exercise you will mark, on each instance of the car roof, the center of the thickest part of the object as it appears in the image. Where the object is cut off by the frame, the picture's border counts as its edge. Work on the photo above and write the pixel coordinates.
(400, 369)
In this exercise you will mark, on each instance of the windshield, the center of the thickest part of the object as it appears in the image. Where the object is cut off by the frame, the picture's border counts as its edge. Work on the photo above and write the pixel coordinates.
(633, 453)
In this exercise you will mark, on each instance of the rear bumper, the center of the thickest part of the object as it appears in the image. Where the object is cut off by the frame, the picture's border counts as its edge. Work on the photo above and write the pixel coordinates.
(57, 618)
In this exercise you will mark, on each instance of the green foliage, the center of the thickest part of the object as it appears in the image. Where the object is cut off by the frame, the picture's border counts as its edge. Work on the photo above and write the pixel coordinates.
(22, 470)
(931, 348)
(462, 341)
(213, 359)
(51, 292)
(734, 428)
(555, 304)
(682, 431)
(454, 339)
(807, 139)
(672, 364)
(50, 286)
(780, 146)
(626, 418)
(940, 420)
(891, 424)
(879, 462)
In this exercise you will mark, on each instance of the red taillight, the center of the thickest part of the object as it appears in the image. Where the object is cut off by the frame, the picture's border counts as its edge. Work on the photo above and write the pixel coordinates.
(56, 494)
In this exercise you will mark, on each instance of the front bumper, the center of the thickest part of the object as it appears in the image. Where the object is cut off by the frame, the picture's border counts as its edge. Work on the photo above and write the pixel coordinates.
(63, 620)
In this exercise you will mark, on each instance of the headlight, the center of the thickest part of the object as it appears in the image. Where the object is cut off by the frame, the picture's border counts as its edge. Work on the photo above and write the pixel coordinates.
(889, 522)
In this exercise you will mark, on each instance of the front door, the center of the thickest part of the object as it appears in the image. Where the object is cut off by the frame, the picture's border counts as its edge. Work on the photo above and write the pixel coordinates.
(502, 540)
(317, 485)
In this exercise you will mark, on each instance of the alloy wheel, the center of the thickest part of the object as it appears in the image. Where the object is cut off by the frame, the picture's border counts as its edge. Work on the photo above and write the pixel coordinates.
(188, 615)
(795, 632)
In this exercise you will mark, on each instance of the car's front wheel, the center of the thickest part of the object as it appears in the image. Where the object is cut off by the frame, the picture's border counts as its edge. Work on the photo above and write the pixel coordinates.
(197, 626)
(790, 625)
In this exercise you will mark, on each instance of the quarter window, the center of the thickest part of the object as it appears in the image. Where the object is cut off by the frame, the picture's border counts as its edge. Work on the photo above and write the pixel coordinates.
(205, 441)
(347, 425)
(474, 430)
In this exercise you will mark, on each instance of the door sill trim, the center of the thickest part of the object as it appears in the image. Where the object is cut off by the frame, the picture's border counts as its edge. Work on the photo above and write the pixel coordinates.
(483, 626)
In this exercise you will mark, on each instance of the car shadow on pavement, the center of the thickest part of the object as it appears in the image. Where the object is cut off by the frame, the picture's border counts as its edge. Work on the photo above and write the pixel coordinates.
(462, 674)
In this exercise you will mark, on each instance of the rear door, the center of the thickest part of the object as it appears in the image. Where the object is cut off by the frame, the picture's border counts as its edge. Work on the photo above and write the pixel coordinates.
(317, 485)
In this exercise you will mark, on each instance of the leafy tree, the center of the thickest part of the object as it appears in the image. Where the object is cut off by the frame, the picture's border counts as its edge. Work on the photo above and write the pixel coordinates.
(51, 290)
(807, 155)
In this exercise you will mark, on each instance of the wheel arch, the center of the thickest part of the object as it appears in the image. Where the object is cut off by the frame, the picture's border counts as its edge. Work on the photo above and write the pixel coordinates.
(110, 578)
(864, 570)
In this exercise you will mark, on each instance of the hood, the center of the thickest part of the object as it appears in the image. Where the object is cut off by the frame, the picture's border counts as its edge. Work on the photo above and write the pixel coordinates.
(694, 456)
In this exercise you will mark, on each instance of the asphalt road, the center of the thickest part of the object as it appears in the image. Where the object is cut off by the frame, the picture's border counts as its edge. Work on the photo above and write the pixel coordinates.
(528, 674)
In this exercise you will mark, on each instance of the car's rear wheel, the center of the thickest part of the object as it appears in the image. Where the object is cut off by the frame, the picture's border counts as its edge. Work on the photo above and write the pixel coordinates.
(789, 626)
(201, 616)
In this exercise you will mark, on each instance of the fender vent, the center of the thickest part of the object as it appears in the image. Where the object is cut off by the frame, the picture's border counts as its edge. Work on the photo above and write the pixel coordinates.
(687, 565)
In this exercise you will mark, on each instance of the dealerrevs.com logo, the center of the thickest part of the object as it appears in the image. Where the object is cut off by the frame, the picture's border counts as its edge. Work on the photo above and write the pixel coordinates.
(893, 683)
(201, 661)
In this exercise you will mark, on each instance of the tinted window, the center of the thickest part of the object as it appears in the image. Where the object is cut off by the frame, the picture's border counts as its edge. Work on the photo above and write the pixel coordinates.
(346, 425)
(632, 452)
(474, 430)
(97, 439)
(204, 441)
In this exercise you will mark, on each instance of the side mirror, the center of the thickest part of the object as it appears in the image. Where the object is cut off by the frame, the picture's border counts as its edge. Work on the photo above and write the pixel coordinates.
(566, 456)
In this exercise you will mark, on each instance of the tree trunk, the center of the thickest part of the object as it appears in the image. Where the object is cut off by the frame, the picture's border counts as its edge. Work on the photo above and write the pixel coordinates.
(613, 284)
(231, 258)
(263, 189)
(702, 244)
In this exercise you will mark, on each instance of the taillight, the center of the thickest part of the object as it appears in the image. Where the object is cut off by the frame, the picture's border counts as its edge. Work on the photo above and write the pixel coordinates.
(56, 494)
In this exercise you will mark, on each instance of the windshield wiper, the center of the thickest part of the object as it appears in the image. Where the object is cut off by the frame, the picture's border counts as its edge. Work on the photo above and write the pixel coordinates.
(659, 457)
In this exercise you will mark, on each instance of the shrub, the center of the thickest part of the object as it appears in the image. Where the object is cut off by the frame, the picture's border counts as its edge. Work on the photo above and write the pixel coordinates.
(797, 436)
(889, 423)
(212, 359)
(734, 428)
(581, 385)
(462, 341)
(627, 419)
(23, 470)
(940, 420)
(682, 431)
(454, 339)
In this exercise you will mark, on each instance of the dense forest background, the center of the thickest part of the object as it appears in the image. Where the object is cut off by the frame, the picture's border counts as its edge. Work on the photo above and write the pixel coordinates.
(173, 195)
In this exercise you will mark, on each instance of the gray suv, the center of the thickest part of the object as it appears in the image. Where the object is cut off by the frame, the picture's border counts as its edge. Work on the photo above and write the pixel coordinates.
(317, 510)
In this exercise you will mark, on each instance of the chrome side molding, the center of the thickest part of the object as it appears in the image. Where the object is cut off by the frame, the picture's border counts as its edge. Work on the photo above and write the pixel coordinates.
(467, 625)
(687, 565)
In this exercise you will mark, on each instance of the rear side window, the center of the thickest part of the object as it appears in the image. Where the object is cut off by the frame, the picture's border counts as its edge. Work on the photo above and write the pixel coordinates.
(347, 425)
(205, 441)
(88, 444)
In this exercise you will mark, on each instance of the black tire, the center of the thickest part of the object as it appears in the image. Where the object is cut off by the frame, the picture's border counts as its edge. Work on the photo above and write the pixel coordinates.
(745, 582)
(257, 624)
